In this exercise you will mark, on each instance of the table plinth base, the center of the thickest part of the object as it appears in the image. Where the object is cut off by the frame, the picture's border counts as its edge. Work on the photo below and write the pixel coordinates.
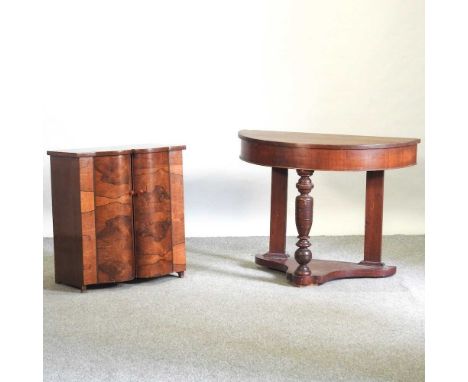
(323, 270)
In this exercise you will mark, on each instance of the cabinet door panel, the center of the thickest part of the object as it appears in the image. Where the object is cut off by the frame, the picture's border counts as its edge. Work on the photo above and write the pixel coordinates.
(152, 214)
(88, 221)
(114, 218)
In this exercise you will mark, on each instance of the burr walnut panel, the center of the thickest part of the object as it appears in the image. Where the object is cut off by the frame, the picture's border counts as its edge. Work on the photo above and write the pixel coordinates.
(153, 233)
(88, 228)
(114, 217)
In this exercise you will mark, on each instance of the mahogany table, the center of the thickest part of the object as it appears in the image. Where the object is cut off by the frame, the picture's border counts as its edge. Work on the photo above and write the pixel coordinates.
(307, 153)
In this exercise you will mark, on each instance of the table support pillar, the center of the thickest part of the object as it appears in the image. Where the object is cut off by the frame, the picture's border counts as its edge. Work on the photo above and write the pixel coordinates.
(302, 270)
(278, 212)
(374, 218)
(304, 212)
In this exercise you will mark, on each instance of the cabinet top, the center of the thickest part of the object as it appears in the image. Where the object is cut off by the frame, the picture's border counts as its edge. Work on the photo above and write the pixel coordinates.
(115, 150)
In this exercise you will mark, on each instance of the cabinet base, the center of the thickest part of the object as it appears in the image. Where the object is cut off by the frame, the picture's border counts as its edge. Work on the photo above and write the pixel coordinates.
(323, 270)
(84, 288)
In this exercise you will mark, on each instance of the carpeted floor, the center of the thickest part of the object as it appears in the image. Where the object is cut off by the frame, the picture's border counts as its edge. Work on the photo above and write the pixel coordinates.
(229, 320)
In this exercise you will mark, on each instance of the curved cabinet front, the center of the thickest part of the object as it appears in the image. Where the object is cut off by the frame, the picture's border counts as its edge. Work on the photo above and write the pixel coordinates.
(114, 218)
(117, 215)
(152, 214)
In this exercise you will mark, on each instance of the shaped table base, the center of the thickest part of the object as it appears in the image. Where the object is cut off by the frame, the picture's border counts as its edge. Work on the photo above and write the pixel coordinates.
(323, 270)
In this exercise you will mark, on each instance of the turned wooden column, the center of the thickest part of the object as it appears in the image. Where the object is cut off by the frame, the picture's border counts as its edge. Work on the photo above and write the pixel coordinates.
(304, 211)
(278, 214)
(374, 218)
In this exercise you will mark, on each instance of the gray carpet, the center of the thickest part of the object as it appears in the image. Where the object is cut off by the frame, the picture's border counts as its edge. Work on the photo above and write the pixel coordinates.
(230, 320)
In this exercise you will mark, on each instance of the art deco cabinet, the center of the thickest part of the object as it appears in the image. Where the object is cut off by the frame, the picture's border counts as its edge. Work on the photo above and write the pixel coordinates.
(118, 214)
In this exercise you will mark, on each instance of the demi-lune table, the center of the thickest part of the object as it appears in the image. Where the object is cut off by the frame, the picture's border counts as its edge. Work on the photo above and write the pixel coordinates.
(308, 152)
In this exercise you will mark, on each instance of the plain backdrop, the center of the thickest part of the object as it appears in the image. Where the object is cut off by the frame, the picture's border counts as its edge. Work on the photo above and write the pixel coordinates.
(196, 72)
(22, 25)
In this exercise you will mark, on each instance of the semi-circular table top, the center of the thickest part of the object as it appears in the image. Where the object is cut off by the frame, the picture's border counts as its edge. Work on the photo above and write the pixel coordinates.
(326, 151)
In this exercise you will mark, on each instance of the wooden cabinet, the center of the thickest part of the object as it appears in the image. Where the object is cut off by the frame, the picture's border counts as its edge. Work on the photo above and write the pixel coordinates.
(117, 214)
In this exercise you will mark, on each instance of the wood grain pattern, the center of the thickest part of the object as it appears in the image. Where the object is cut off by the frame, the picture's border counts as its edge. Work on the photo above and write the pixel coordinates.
(278, 212)
(177, 211)
(374, 217)
(152, 214)
(266, 154)
(328, 152)
(116, 213)
(111, 151)
(66, 211)
(114, 218)
(325, 141)
(88, 228)
(323, 271)
(304, 215)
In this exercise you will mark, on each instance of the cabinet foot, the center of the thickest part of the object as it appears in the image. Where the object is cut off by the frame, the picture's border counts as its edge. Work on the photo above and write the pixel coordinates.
(181, 274)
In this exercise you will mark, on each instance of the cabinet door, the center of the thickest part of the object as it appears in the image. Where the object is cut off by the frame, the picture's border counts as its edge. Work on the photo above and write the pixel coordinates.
(114, 218)
(152, 214)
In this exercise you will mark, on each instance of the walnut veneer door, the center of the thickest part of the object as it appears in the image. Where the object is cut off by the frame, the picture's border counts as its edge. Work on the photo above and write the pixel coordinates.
(152, 214)
(114, 218)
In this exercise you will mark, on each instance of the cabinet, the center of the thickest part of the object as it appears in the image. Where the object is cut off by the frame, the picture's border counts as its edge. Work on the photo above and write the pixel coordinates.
(118, 214)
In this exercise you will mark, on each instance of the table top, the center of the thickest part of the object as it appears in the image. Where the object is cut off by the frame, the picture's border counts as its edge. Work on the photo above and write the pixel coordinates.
(329, 152)
(114, 150)
(325, 141)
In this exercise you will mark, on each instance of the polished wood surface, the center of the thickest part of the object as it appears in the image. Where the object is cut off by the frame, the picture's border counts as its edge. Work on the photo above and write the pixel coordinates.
(177, 212)
(307, 153)
(88, 221)
(323, 271)
(325, 141)
(358, 154)
(153, 235)
(374, 217)
(114, 218)
(266, 154)
(65, 182)
(111, 151)
(279, 205)
(119, 216)
(304, 213)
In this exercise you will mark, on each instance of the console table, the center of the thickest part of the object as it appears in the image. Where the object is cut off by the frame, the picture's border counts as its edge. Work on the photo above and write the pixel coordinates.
(307, 152)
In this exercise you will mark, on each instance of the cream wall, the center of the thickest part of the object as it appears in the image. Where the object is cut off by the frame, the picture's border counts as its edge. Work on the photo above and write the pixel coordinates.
(196, 72)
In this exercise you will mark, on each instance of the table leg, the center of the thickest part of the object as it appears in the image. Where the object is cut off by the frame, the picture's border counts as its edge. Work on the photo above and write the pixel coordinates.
(278, 215)
(321, 271)
(304, 211)
(374, 217)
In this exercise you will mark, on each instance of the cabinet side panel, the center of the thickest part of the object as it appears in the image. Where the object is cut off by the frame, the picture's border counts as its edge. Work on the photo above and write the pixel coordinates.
(114, 218)
(88, 220)
(152, 217)
(68, 260)
(177, 209)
